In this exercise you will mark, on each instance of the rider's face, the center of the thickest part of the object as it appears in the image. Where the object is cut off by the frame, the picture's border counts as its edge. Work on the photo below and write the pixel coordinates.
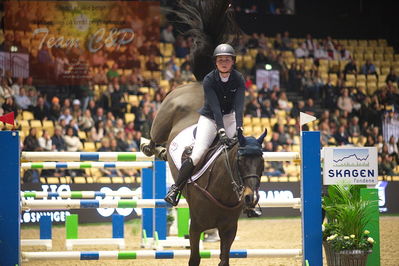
(224, 63)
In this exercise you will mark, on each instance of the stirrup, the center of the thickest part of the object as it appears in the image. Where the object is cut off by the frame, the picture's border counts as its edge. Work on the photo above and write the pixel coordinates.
(173, 196)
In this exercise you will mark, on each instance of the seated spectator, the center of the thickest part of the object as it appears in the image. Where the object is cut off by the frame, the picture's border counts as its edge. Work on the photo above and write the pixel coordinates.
(350, 67)
(283, 103)
(286, 42)
(121, 141)
(31, 142)
(86, 121)
(99, 115)
(72, 142)
(5, 90)
(167, 35)
(267, 109)
(45, 141)
(297, 109)
(354, 128)
(100, 77)
(343, 54)
(320, 52)
(253, 41)
(181, 47)
(66, 115)
(151, 64)
(17, 85)
(113, 72)
(278, 42)
(392, 76)
(392, 146)
(310, 45)
(98, 59)
(309, 107)
(253, 108)
(341, 137)
(10, 106)
(57, 140)
(368, 68)
(22, 100)
(301, 51)
(345, 102)
(186, 74)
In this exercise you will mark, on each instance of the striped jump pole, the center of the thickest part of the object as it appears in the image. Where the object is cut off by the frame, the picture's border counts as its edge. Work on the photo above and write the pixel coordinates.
(141, 203)
(84, 156)
(150, 254)
(282, 156)
(78, 194)
(86, 165)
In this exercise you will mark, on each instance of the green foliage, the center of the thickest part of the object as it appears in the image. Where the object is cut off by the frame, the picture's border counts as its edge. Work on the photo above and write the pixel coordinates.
(347, 215)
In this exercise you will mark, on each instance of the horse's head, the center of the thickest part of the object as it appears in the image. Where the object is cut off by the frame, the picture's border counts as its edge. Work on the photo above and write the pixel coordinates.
(250, 166)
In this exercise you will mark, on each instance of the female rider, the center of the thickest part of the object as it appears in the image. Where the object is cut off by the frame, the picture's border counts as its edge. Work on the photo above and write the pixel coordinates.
(222, 113)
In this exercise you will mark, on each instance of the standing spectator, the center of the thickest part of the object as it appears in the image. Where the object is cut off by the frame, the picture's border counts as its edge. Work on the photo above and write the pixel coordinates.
(45, 141)
(72, 142)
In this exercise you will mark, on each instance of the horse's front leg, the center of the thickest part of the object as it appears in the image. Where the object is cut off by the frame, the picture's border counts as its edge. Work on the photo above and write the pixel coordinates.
(227, 236)
(195, 234)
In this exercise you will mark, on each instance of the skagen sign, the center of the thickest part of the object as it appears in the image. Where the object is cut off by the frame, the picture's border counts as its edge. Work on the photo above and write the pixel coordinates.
(357, 166)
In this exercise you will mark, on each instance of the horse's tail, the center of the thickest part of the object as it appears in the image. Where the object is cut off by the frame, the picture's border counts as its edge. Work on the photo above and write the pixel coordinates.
(210, 23)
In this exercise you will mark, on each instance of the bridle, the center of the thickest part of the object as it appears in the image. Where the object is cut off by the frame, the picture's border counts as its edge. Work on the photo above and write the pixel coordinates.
(236, 181)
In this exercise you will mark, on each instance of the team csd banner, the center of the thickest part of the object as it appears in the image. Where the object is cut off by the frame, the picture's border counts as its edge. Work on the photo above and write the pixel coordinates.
(357, 166)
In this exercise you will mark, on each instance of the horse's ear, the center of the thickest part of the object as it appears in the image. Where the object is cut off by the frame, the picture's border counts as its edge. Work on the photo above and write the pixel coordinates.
(262, 137)
(241, 138)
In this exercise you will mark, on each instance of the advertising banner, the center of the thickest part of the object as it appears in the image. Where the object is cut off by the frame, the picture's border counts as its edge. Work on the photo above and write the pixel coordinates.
(357, 166)
(85, 215)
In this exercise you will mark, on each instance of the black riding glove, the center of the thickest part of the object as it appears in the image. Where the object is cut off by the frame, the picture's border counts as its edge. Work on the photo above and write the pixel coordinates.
(223, 137)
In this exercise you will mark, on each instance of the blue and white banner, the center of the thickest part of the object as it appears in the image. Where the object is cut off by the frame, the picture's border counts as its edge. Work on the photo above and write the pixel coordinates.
(351, 165)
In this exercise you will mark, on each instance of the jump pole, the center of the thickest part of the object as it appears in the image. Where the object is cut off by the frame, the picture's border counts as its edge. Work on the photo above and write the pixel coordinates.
(311, 198)
(10, 211)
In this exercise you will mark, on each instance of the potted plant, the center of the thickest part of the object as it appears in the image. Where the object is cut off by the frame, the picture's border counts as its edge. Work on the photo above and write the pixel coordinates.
(346, 239)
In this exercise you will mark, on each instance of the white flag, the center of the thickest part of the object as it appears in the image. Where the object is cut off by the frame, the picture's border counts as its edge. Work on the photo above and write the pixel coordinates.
(305, 118)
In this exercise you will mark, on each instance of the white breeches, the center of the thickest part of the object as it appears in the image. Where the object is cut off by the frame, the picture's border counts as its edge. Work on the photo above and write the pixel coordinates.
(206, 133)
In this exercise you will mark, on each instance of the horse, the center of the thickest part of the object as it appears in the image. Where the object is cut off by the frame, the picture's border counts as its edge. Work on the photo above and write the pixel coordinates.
(217, 199)
(232, 181)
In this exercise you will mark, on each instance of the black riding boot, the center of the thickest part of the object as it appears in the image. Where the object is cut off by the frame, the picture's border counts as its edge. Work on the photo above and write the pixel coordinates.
(185, 173)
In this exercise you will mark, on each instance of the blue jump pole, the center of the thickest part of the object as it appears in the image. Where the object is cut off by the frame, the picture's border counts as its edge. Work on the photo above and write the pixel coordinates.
(160, 193)
(117, 226)
(311, 198)
(147, 193)
(45, 227)
(10, 211)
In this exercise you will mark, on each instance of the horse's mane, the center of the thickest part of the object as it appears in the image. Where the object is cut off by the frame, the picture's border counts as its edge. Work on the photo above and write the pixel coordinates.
(210, 23)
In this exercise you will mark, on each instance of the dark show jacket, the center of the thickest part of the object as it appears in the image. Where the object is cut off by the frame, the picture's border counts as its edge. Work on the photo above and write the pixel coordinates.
(223, 98)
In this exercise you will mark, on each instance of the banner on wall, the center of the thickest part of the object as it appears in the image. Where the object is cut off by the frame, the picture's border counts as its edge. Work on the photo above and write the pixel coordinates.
(357, 166)
(271, 77)
(85, 215)
(65, 38)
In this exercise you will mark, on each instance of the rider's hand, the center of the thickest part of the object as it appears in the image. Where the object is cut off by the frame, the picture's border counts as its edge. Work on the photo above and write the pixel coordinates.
(223, 137)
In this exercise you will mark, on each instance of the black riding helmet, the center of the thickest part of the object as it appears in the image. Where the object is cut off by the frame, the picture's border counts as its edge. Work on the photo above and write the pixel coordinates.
(224, 49)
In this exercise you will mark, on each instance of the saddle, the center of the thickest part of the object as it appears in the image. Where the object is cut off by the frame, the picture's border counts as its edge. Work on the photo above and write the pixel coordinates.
(207, 154)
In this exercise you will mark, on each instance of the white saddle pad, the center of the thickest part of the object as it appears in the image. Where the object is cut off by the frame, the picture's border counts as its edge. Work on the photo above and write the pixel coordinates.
(180, 142)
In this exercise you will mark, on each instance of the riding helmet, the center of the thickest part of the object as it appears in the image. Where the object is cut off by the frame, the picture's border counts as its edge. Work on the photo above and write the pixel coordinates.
(224, 49)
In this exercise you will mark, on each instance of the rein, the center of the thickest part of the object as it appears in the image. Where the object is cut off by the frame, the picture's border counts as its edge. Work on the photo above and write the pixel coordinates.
(237, 183)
